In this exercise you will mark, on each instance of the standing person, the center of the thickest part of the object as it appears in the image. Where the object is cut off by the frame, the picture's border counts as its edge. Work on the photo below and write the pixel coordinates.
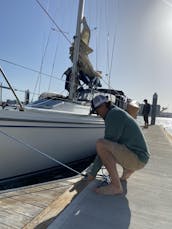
(145, 113)
(123, 144)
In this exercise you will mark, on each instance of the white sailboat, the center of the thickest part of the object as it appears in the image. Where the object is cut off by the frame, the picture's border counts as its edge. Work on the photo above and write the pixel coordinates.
(54, 127)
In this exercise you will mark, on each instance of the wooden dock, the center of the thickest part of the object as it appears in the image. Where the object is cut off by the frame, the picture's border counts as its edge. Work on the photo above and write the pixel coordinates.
(37, 206)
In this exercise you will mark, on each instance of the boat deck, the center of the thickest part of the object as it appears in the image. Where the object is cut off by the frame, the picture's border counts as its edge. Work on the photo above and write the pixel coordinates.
(60, 204)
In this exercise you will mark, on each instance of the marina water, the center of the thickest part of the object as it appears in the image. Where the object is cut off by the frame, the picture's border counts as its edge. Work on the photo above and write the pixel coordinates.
(165, 122)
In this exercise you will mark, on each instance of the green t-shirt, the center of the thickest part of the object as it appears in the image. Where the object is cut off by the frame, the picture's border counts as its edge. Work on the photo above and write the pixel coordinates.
(120, 127)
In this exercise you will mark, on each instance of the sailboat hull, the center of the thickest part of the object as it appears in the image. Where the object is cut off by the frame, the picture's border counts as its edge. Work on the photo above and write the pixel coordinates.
(24, 136)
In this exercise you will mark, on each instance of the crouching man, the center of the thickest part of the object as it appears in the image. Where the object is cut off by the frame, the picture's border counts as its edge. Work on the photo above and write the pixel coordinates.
(123, 144)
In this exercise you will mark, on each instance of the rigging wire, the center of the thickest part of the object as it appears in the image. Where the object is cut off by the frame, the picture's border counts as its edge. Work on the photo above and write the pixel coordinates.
(96, 35)
(110, 62)
(18, 101)
(52, 71)
(59, 29)
(30, 69)
(107, 41)
(56, 50)
(57, 77)
(113, 47)
(18, 90)
(108, 76)
(114, 41)
(41, 66)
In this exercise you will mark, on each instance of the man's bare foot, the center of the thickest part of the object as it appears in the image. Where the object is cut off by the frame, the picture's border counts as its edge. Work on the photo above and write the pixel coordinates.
(109, 190)
(126, 174)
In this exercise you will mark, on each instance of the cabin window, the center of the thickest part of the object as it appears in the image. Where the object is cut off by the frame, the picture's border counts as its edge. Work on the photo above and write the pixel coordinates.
(44, 103)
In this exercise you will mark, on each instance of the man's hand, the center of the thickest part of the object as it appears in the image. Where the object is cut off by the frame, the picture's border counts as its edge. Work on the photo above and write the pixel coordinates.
(90, 178)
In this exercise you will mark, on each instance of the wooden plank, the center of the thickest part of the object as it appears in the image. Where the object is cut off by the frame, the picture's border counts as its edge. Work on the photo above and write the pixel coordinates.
(33, 199)
(40, 199)
(3, 226)
(19, 207)
(49, 194)
(46, 216)
(33, 188)
(13, 219)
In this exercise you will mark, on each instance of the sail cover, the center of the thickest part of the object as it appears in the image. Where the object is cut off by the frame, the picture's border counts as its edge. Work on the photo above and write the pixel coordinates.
(84, 63)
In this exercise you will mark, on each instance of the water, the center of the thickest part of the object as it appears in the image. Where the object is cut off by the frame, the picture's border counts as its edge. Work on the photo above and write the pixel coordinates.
(165, 122)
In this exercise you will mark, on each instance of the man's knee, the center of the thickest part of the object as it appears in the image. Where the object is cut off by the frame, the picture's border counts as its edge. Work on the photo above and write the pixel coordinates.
(101, 145)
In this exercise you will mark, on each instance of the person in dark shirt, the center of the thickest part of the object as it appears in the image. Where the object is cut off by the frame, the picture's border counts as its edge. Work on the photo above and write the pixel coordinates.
(145, 113)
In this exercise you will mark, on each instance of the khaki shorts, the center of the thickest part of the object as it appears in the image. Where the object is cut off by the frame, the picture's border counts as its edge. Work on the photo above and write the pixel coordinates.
(123, 156)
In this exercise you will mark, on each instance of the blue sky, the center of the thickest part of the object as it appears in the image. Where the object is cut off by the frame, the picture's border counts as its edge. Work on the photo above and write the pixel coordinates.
(140, 63)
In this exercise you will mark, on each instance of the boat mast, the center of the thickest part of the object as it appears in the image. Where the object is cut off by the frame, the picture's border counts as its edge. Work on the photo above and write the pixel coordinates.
(76, 50)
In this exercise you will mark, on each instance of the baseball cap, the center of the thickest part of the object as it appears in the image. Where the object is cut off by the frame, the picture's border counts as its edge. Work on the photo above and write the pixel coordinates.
(98, 101)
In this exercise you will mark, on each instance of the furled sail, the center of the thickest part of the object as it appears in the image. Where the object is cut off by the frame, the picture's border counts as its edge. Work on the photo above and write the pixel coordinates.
(84, 63)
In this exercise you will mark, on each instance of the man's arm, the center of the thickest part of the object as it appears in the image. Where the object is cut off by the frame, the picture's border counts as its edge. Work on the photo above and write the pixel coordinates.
(97, 164)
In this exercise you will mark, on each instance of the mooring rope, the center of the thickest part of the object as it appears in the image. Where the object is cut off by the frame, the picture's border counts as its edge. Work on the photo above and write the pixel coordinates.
(42, 153)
